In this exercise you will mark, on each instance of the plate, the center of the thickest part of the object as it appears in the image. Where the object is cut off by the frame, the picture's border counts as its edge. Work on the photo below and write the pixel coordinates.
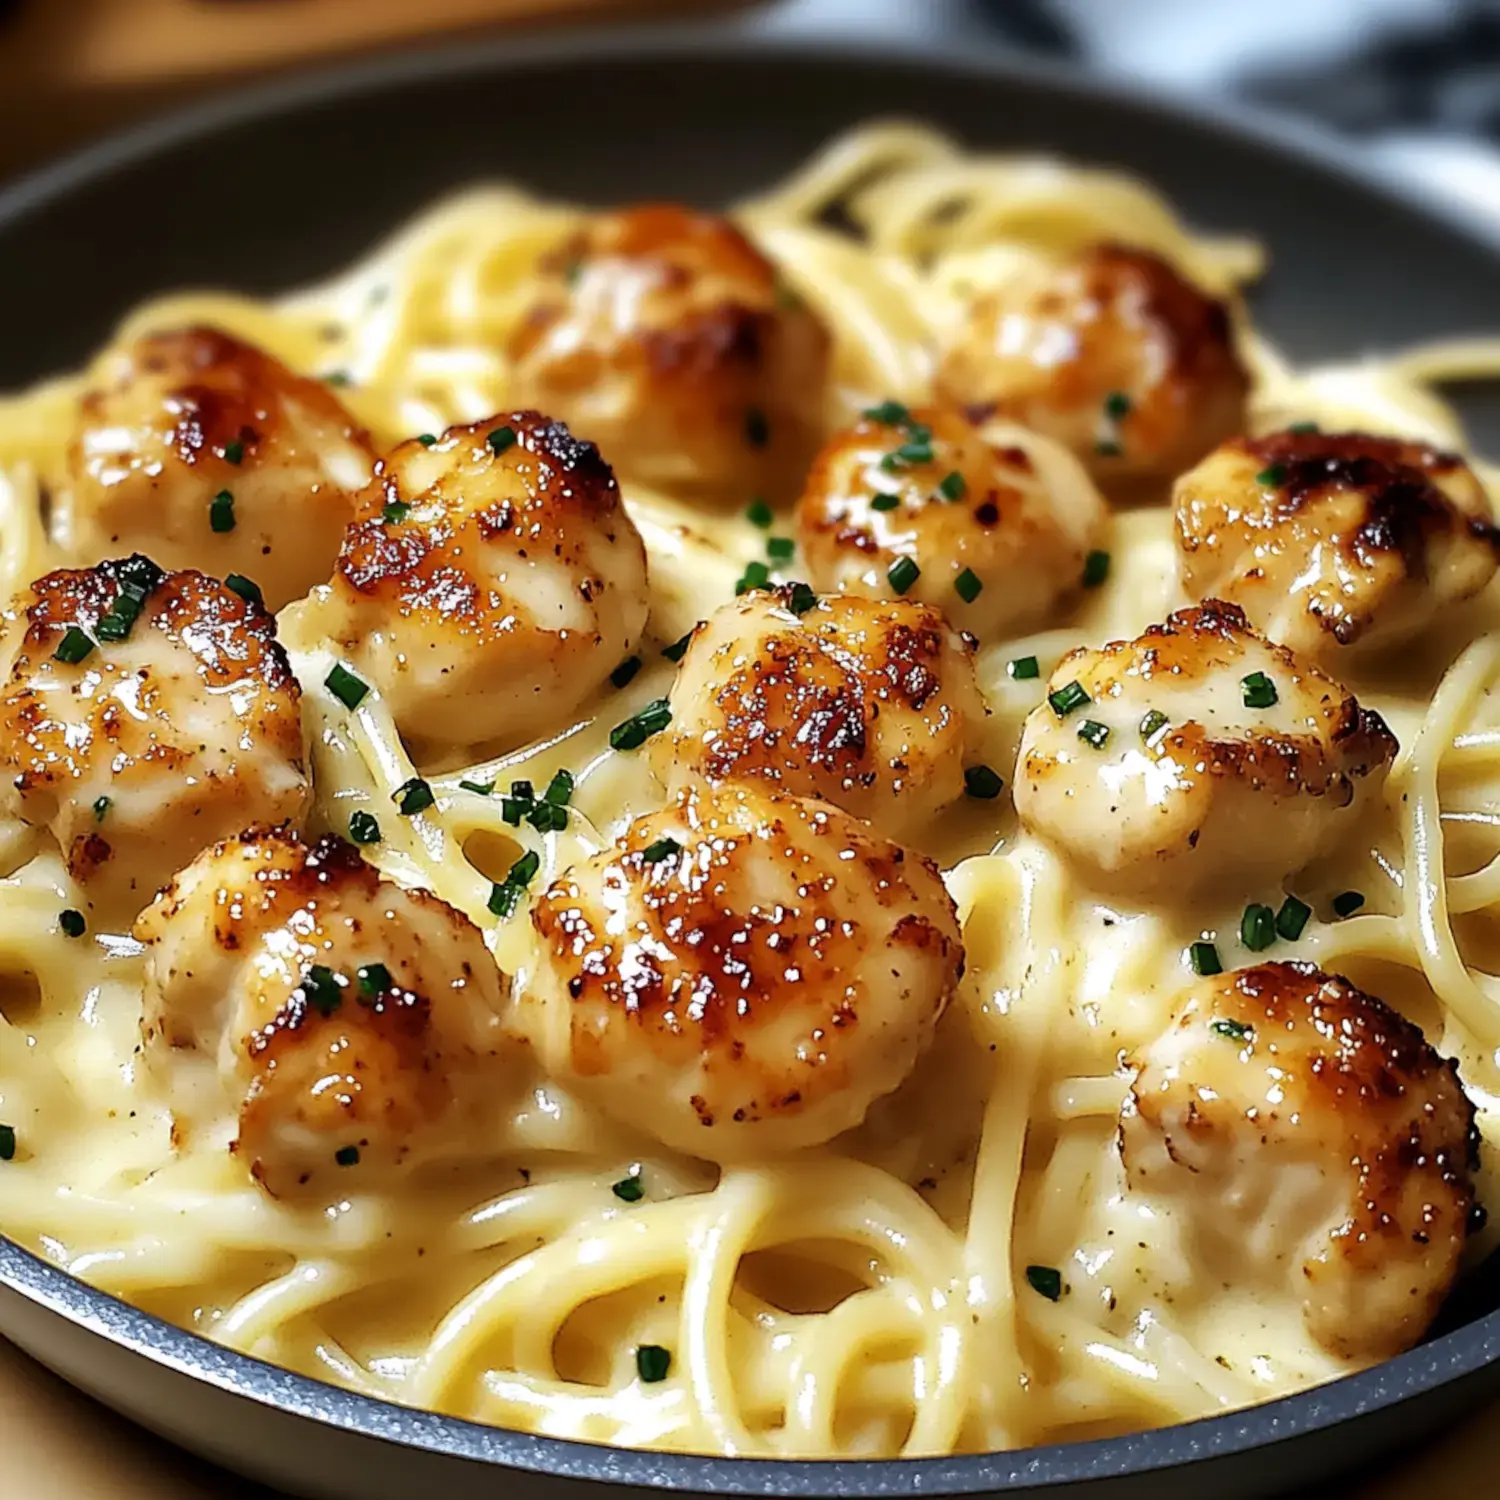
(279, 186)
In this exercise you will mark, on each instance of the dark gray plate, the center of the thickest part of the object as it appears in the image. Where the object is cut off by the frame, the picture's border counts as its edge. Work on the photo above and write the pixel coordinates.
(270, 189)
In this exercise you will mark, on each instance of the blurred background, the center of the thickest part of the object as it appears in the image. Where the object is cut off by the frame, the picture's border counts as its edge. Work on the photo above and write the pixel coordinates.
(1417, 81)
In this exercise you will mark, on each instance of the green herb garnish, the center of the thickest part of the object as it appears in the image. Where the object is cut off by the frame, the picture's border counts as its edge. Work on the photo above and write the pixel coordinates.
(1068, 698)
(364, 828)
(412, 797)
(1204, 958)
(903, 573)
(350, 690)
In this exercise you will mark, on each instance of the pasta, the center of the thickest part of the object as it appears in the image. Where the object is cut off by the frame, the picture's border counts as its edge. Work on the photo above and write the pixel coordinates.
(970, 1265)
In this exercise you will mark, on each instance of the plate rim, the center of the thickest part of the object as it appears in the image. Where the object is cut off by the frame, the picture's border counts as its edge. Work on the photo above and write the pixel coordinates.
(1425, 1370)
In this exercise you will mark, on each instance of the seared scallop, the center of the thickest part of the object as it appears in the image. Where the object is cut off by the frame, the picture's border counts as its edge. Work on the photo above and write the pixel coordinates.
(744, 974)
(207, 453)
(1195, 752)
(1113, 354)
(667, 338)
(991, 525)
(1315, 1143)
(870, 704)
(353, 1025)
(490, 581)
(1335, 539)
(143, 716)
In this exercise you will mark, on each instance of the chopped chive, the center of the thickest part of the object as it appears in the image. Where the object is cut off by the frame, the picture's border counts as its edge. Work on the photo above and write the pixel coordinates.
(395, 512)
(102, 806)
(1116, 405)
(374, 979)
(1234, 1031)
(560, 789)
(7, 1142)
(883, 500)
(982, 783)
(427, 439)
(629, 1189)
(134, 588)
(1272, 475)
(1258, 927)
(1066, 699)
(1024, 668)
(479, 788)
(547, 817)
(624, 674)
(1107, 448)
(501, 439)
(780, 548)
(953, 486)
(573, 270)
(364, 828)
(73, 648)
(968, 586)
(1204, 958)
(903, 573)
(1095, 569)
(72, 923)
(664, 848)
(1292, 918)
(1092, 732)
(1153, 724)
(221, 512)
(639, 728)
(347, 1156)
(338, 379)
(1259, 691)
(412, 797)
(323, 989)
(915, 451)
(757, 428)
(505, 898)
(801, 598)
(760, 514)
(524, 790)
(756, 576)
(250, 592)
(345, 686)
(1045, 1281)
(234, 452)
(888, 414)
(678, 649)
(513, 809)
(524, 870)
(1304, 427)
(652, 1363)
(1346, 903)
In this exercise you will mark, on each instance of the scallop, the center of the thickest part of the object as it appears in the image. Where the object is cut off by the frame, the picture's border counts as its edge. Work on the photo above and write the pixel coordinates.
(993, 525)
(1197, 753)
(144, 715)
(1314, 1143)
(206, 453)
(744, 974)
(353, 1025)
(1112, 353)
(869, 704)
(490, 582)
(665, 336)
(1335, 539)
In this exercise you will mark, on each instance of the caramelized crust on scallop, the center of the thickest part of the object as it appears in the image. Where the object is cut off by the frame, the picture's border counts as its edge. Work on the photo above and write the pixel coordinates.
(182, 417)
(490, 581)
(872, 705)
(1199, 752)
(1335, 539)
(354, 1025)
(997, 521)
(1113, 354)
(150, 746)
(744, 973)
(1285, 1104)
(667, 338)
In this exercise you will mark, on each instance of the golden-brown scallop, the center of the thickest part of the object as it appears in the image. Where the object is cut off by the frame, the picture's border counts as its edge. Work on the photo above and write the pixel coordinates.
(1196, 752)
(1333, 539)
(1113, 354)
(869, 704)
(744, 974)
(490, 581)
(991, 525)
(207, 453)
(667, 338)
(353, 1025)
(1284, 1108)
(144, 715)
